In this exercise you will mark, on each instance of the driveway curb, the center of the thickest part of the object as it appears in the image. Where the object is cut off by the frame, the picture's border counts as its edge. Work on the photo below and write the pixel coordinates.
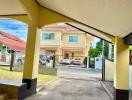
(111, 96)
(43, 86)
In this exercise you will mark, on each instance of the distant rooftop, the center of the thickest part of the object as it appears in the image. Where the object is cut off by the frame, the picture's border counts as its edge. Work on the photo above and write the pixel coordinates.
(12, 42)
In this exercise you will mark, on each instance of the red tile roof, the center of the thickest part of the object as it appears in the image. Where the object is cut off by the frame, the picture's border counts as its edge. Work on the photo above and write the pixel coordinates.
(12, 42)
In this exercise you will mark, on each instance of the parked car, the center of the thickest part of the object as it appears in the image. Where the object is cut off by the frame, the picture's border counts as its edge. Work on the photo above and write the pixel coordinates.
(66, 61)
(77, 61)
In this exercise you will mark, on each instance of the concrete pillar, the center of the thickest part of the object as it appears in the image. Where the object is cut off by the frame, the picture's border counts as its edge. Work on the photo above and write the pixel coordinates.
(86, 46)
(121, 74)
(86, 50)
(32, 57)
(59, 54)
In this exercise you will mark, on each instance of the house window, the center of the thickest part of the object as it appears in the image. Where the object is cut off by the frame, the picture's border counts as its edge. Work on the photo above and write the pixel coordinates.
(48, 36)
(73, 38)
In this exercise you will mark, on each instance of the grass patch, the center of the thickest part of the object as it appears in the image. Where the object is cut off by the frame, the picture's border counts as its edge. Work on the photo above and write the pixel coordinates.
(5, 74)
(48, 71)
(44, 71)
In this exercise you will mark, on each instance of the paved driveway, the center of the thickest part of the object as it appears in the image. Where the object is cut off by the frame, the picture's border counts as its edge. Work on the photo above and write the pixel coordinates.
(74, 84)
(72, 89)
(130, 96)
(79, 73)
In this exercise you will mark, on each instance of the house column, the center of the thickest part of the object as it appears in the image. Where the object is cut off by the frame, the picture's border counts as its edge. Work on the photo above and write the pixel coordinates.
(121, 74)
(33, 46)
(59, 54)
(31, 60)
(86, 52)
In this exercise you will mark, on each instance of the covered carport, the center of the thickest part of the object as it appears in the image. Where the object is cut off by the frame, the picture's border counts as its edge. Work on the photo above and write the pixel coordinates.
(107, 19)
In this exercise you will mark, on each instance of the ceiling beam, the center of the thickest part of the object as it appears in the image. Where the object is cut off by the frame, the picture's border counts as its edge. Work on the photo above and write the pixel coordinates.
(48, 16)
(20, 17)
(88, 32)
(32, 9)
(128, 39)
(73, 20)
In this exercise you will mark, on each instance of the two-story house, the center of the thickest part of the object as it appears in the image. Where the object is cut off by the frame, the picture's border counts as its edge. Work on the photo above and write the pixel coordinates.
(65, 41)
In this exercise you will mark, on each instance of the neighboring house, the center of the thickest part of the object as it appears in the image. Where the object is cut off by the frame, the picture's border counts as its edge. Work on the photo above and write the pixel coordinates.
(9, 43)
(65, 41)
(59, 39)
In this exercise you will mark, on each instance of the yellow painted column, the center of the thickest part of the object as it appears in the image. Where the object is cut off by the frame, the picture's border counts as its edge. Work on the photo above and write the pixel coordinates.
(32, 58)
(32, 53)
(32, 48)
(121, 76)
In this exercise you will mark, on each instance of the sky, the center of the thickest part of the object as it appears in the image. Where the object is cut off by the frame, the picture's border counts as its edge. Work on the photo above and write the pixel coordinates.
(14, 27)
(94, 42)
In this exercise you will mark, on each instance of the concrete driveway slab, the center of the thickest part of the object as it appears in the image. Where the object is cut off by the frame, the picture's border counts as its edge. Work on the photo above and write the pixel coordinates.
(72, 89)
(79, 73)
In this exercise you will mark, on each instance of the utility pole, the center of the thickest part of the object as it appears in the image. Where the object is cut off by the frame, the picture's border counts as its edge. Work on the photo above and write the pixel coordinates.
(102, 48)
(88, 61)
(103, 62)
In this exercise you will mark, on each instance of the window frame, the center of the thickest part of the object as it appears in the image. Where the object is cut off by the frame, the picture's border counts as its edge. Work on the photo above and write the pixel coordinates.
(73, 39)
(47, 33)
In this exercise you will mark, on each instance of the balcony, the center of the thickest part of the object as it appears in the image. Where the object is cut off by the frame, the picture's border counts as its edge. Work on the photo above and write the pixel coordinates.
(50, 43)
(73, 46)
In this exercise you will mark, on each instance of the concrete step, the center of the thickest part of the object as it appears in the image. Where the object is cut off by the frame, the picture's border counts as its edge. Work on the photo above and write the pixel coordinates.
(3, 96)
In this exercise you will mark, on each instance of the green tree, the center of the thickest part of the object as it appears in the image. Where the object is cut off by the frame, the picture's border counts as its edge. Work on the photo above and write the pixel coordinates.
(0, 46)
(94, 52)
(130, 47)
(105, 48)
(99, 46)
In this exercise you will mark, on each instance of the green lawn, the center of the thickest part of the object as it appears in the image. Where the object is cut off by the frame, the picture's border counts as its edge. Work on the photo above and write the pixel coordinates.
(5, 74)
(45, 71)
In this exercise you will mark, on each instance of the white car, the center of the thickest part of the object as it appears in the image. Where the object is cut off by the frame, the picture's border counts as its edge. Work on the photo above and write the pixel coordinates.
(77, 61)
(66, 61)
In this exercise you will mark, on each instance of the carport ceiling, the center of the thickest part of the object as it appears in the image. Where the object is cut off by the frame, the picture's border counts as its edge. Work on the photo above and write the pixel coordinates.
(111, 16)
(11, 7)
